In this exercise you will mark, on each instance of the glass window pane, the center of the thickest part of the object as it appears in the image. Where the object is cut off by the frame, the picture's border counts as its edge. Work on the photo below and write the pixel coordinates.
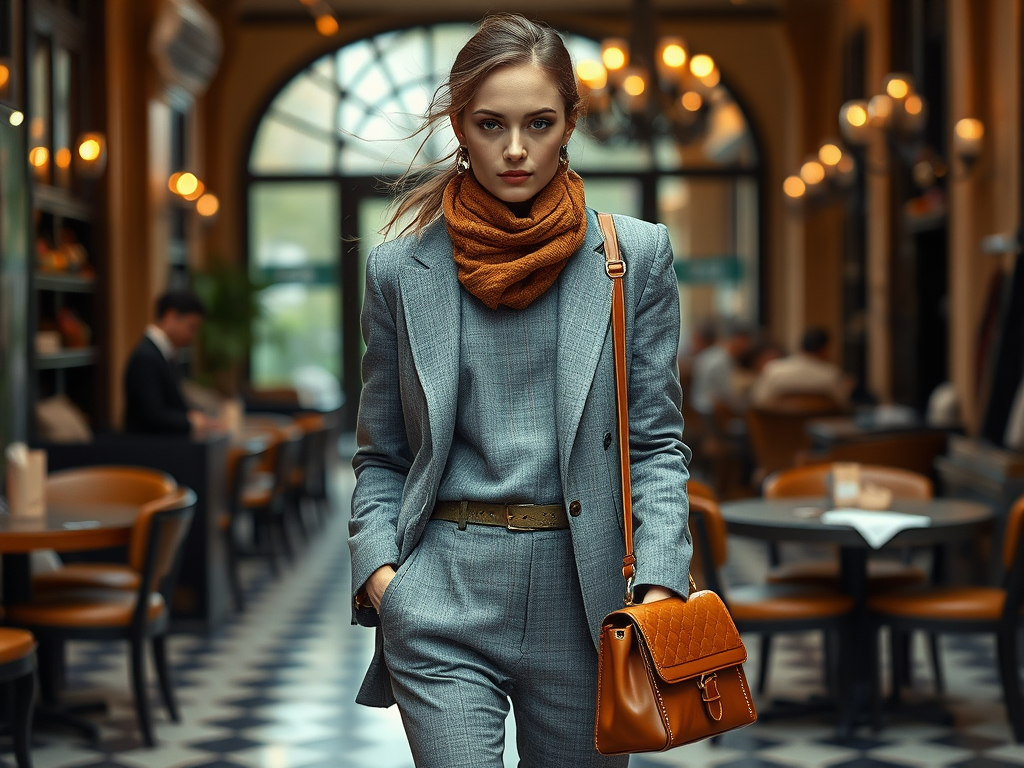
(712, 225)
(615, 196)
(293, 225)
(306, 99)
(280, 148)
(62, 117)
(299, 332)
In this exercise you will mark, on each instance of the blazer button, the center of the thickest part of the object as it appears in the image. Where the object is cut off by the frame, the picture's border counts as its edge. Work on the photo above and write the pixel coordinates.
(575, 508)
(607, 440)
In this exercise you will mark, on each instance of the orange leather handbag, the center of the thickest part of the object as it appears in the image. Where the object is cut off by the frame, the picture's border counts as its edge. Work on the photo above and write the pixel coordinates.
(670, 672)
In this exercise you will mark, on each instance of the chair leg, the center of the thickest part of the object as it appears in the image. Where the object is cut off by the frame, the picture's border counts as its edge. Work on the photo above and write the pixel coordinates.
(762, 672)
(21, 726)
(48, 654)
(940, 681)
(896, 662)
(164, 676)
(234, 577)
(830, 664)
(1006, 644)
(142, 710)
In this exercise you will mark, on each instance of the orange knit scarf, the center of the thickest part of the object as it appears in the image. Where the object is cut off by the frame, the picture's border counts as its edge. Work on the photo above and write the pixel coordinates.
(503, 259)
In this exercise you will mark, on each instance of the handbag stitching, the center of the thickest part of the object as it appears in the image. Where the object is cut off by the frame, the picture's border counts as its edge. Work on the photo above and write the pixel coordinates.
(750, 709)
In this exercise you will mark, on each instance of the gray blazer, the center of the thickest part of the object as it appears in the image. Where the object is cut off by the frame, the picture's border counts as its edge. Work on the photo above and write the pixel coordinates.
(411, 326)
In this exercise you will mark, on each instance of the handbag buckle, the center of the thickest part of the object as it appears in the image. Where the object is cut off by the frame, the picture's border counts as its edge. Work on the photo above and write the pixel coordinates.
(629, 591)
(615, 269)
(708, 685)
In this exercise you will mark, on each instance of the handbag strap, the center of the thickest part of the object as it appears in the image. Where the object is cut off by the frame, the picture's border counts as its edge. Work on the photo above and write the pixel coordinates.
(615, 268)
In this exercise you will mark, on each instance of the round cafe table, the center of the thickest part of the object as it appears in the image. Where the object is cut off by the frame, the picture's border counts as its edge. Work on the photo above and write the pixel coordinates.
(799, 519)
(65, 528)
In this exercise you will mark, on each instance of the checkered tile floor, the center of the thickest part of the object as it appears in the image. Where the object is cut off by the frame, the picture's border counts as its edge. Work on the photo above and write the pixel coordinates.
(275, 689)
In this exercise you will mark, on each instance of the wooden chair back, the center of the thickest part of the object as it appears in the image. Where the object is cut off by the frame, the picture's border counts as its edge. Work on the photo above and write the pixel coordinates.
(157, 536)
(697, 488)
(108, 485)
(242, 461)
(813, 481)
(1012, 543)
(710, 548)
(914, 451)
(778, 431)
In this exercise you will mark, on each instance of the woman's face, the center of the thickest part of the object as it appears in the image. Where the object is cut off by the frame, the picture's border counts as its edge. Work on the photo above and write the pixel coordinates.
(513, 128)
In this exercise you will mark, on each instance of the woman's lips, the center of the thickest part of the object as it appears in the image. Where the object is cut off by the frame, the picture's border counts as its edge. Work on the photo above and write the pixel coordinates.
(515, 177)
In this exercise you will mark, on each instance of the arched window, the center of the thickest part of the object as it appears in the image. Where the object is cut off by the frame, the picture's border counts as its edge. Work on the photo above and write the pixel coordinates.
(315, 203)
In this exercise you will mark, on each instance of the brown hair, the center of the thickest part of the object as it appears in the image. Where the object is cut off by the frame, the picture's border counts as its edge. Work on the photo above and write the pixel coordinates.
(502, 40)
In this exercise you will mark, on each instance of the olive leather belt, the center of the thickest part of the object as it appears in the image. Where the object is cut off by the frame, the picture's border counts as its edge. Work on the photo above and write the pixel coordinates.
(515, 517)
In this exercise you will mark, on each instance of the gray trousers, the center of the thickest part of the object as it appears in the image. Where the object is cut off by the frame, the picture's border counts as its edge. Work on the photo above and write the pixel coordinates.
(476, 618)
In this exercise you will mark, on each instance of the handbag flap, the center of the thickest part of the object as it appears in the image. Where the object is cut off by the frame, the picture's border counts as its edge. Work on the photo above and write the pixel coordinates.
(687, 638)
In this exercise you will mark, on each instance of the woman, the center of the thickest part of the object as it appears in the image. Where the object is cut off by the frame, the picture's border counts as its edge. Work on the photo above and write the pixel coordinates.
(486, 530)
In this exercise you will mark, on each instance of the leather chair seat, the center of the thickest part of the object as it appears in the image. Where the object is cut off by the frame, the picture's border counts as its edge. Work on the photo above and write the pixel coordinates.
(768, 602)
(883, 575)
(82, 608)
(15, 644)
(943, 603)
(259, 490)
(86, 576)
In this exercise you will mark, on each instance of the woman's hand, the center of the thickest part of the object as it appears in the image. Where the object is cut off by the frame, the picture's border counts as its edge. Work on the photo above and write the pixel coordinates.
(654, 594)
(377, 583)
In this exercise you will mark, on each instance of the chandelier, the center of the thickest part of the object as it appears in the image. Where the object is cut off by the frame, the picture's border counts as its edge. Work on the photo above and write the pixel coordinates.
(647, 86)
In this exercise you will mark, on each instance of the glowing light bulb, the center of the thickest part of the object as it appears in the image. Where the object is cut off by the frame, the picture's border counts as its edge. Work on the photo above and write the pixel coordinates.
(592, 74)
(857, 116)
(38, 157)
(674, 55)
(89, 150)
(830, 154)
(16, 118)
(614, 56)
(692, 101)
(897, 88)
(913, 105)
(794, 187)
(634, 85)
(702, 65)
(326, 25)
(207, 205)
(812, 172)
(63, 158)
(186, 184)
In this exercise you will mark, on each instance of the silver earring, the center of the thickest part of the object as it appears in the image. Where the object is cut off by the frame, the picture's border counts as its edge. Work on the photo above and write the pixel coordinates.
(462, 163)
(563, 156)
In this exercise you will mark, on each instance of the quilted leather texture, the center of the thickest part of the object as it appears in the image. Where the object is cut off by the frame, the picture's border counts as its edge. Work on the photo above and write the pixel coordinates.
(682, 635)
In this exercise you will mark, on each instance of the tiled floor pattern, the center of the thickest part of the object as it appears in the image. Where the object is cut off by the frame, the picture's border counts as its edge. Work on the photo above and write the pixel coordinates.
(275, 689)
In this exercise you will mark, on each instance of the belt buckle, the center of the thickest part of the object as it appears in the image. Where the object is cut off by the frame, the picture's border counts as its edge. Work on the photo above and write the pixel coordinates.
(508, 519)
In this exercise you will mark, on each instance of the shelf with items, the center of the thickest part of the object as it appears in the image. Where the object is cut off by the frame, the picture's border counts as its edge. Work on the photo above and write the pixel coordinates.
(60, 202)
(66, 358)
(63, 282)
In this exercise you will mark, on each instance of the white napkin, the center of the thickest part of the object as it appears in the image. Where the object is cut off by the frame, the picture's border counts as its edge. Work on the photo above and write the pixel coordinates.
(876, 527)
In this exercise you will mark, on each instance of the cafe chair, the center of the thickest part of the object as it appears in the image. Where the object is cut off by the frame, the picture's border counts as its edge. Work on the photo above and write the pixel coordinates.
(113, 614)
(913, 451)
(697, 488)
(133, 486)
(764, 608)
(318, 430)
(778, 430)
(268, 494)
(17, 672)
(242, 461)
(963, 609)
(883, 574)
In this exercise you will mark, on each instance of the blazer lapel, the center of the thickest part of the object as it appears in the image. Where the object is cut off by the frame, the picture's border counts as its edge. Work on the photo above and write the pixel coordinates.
(584, 312)
(430, 301)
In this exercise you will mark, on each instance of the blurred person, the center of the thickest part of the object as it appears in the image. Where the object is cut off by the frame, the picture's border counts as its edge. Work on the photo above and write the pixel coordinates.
(714, 367)
(748, 368)
(154, 403)
(702, 336)
(488, 381)
(808, 371)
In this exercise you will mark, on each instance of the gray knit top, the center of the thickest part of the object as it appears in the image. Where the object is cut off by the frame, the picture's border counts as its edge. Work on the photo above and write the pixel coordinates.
(505, 448)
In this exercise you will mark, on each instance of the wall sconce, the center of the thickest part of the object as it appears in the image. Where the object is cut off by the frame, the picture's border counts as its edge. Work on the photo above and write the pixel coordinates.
(822, 177)
(899, 111)
(91, 155)
(967, 140)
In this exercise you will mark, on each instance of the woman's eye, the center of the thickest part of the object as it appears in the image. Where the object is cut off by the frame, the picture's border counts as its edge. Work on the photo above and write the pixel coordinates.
(540, 124)
(490, 125)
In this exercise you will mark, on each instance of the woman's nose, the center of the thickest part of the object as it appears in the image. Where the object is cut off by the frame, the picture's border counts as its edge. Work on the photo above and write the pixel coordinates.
(515, 151)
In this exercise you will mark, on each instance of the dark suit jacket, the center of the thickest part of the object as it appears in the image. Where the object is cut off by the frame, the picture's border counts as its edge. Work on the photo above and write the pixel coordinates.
(152, 396)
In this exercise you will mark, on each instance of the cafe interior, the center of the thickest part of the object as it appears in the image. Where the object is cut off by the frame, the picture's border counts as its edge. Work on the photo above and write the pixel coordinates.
(841, 181)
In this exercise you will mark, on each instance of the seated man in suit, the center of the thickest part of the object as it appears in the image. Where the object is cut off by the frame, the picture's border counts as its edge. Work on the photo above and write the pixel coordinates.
(152, 393)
